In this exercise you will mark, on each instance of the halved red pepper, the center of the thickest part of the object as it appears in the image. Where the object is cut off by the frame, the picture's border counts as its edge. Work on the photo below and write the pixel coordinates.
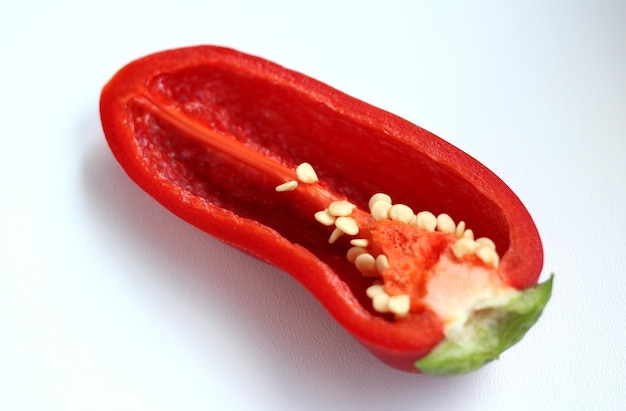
(216, 136)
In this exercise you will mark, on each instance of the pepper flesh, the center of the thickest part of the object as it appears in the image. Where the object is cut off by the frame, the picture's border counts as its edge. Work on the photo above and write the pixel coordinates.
(209, 132)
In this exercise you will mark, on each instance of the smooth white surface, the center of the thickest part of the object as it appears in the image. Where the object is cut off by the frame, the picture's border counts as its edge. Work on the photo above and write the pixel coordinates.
(107, 302)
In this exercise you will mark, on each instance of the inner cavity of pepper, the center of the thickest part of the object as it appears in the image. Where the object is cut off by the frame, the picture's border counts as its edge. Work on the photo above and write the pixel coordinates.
(280, 125)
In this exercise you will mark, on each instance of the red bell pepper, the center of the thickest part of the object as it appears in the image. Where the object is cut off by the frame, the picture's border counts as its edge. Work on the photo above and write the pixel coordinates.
(285, 167)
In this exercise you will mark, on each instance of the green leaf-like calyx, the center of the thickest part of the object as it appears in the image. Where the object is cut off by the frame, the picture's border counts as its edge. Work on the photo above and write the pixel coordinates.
(487, 333)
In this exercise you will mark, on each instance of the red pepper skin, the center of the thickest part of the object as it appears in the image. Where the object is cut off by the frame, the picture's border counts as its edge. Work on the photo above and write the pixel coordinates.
(151, 107)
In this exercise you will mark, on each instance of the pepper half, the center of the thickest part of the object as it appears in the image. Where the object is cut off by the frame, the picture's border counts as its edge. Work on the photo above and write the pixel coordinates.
(302, 176)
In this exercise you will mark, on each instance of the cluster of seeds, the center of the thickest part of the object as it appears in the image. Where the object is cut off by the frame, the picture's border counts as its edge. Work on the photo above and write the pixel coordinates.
(384, 303)
(338, 215)
(381, 207)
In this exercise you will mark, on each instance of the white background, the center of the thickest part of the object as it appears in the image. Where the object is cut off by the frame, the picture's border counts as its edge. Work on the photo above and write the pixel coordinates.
(108, 302)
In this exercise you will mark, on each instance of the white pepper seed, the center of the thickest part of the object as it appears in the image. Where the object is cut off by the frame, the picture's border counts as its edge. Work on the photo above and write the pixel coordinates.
(334, 236)
(445, 224)
(380, 210)
(399, 304)
(354, 252)
(378, 197)
(426, 220)
(287, 186)
(341, 208)
(464, 246)
(366, 264)
(347, 224)
(460, 229)
(373, 290)
(380, 302)
(325, 218)
(488, 256)
(359, 242)
(401, 212)
(382, 263)
(306, 173)
(486, 242)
